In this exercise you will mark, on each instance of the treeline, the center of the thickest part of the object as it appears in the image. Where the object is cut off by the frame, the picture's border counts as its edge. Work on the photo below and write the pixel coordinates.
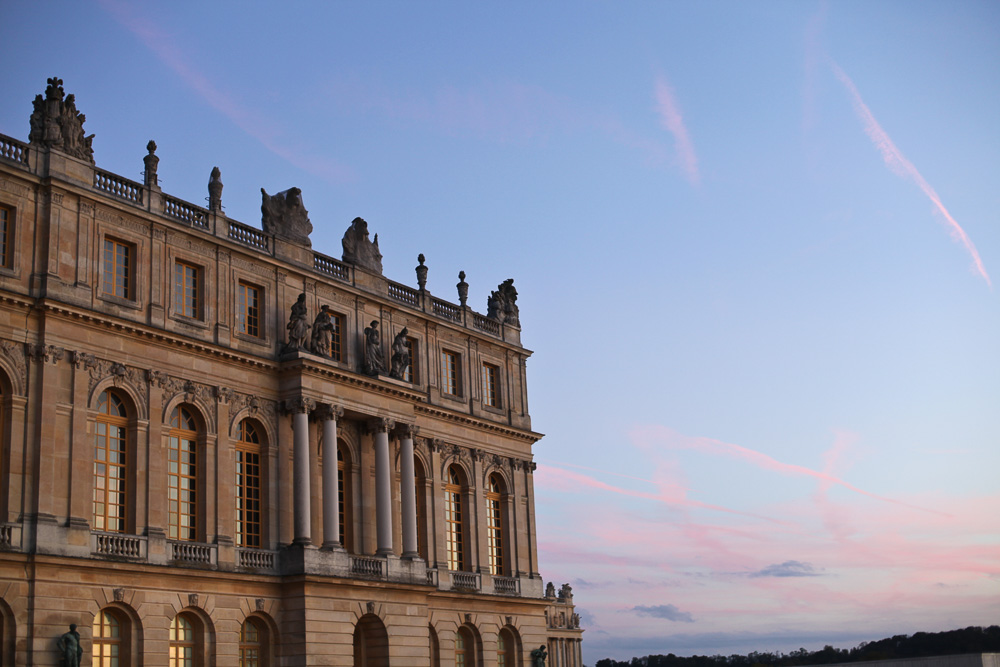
(921, 644)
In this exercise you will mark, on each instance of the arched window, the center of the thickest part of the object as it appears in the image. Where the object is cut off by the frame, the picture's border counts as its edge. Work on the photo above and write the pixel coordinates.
(109, 640)
(182, 483)
(110, 464)
(421, 497)
(454, 519)
(248, 487)
(465, 648)
(253, 644)
(183, 644)
(495, 526)
(506, 648)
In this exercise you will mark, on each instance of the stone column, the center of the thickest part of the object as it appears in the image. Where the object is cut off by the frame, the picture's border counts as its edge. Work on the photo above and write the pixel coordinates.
(329, 414)
(383, 488)
(408, 490)
(300, 408)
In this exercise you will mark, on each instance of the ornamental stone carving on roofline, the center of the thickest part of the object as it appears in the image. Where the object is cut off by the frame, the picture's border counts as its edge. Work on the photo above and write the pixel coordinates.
(358, 250)
(56, 123)
(285, 216)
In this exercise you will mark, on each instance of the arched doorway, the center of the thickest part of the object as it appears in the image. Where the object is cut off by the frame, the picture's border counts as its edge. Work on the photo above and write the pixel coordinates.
(371, 642)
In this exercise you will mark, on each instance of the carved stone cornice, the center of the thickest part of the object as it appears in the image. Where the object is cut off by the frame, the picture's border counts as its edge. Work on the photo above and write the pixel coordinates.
(224, 394)
(82, 360)
(327, 411)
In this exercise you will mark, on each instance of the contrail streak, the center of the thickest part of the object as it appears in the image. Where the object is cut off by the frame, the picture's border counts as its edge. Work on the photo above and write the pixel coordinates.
(896, 161)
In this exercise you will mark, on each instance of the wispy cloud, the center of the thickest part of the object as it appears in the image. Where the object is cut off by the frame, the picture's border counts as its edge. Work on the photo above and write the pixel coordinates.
(790, 568)
(898, 163)
(670, 115)
(665, 611)
(267, 133)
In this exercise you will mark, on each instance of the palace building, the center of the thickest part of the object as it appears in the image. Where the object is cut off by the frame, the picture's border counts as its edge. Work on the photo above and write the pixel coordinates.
(221, 447)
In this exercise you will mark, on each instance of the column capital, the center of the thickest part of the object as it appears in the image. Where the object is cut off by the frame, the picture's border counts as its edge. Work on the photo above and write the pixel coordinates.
(435, 444)
(381, 424)
(327, 411)
(407, 430)
(299, 404)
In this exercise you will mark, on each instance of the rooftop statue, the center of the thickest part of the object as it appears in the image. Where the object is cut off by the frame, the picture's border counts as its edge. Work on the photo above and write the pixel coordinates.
(55, 123)
(285, 216)
(359, 250)
(502, 304)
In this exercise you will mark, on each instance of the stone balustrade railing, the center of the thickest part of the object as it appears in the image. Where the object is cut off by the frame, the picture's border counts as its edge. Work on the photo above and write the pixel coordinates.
(468, 581)
(506, 585)
(257, 559)
(118, 545)
(185, 212)
(192, 552)
(331, 266)
(403, 293)
(249, 236)
(6, 535)
(486, 324)
(119, 187)
(449, 311)
(366, 566)
(13, 150)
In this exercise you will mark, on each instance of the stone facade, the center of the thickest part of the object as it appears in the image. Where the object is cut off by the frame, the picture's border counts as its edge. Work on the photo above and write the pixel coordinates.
(184, 485)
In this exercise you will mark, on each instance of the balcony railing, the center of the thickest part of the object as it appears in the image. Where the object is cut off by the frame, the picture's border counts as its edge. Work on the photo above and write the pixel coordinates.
(119, 187)
(466, 581)
(13, 150)
(6, 536)
(486, 324)
(257, 559)
(403, 293)
(449, 311)
(118, 545)
(506, 586)
(192, 552)
(365, 566)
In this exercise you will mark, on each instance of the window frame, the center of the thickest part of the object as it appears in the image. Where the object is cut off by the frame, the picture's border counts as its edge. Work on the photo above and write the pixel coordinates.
(115, 649)
(8, 229)
(242, 319)
(492, 391)
(101, 443)
(496, 534)
(451, 376)
(174, 479)
(412, 374)
(109, 270)
(181, 296)
(455, 520)
(249, 532)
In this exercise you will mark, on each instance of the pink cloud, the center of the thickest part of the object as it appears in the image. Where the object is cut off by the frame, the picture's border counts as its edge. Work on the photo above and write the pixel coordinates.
(670, 116)
(898, 163)
(149, 33)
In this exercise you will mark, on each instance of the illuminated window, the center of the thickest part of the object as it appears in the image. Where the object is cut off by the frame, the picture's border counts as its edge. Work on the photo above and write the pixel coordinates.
(118, 269)
(494, 525)
(248, 488)
(106, 640)
(449, 373)
(6, 236)
(110, 464)
(491, 393)
(454, 520)
(248, 313)
(182, 472)
(253, 644)
(410, 375)
(182, 642)
(187, 290)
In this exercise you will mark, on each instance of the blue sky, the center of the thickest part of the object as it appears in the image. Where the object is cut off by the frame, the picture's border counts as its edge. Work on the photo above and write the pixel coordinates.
(755, 246)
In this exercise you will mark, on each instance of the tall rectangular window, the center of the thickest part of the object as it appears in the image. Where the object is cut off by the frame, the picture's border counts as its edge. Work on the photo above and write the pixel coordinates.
(248, 491)
(248, 312)
(411, 371)
(449, 373)
(491, 393)
(118, 269)
(6, 236)
(187, 290)
(337, 337)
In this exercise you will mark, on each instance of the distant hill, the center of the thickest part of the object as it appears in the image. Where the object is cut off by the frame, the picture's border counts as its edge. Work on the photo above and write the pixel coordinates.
(921, 644)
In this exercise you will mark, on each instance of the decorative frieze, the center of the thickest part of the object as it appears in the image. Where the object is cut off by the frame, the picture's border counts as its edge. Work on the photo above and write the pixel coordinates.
(120, 374)
(45, 353)
(15, 188)
(265, 271)
(14, 354)
(116, 218)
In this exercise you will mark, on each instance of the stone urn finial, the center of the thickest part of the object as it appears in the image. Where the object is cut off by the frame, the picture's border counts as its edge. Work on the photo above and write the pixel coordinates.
(151, 161)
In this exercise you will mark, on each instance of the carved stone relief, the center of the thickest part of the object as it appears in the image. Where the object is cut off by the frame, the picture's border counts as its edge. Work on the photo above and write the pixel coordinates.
(16, 188)
(116, 218)
(262, 409)
(56, 123)
(45, 353)
(14, 354)
(121, 375)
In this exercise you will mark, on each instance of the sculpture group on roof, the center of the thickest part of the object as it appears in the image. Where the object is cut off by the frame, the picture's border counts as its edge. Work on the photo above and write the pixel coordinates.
(285, 216)
(359, 250)
(56, 123)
